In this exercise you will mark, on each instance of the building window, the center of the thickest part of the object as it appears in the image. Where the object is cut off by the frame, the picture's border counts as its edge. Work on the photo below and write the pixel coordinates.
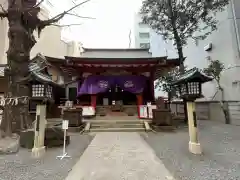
(145, 45)
(144, 35)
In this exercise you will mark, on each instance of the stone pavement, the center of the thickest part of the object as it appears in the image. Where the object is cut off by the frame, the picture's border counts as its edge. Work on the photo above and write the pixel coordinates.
(116, 156)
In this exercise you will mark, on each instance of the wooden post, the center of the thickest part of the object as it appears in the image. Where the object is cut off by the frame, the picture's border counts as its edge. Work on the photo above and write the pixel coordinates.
(39, 131)
(152, 87)
(94, 100)
(194, 145)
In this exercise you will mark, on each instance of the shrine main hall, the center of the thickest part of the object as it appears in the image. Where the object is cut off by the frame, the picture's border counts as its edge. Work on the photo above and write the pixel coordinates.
(111, 81)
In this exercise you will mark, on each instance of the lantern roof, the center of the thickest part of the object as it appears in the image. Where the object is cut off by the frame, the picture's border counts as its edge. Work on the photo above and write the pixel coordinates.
(192, 75)
(40, 77)
(38, 70)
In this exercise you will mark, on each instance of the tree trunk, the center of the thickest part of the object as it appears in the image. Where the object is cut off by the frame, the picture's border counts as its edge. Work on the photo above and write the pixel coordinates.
(179, 49)
(176, 36)
(21, 41)
(169, 100)
(223, 107)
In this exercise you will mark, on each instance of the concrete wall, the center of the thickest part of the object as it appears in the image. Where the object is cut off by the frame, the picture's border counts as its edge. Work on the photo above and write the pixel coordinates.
(234, 111)
(211, 110)
(202, 110)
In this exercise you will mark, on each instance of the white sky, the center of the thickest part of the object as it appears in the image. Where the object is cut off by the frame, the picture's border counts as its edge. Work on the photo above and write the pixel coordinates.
(110, 29)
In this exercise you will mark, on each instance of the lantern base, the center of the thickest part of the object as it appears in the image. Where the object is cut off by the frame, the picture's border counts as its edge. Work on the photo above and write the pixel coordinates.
(195, 148)
(38, 152)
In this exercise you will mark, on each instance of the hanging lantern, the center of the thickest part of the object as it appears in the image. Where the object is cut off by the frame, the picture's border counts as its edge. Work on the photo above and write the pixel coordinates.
(42, 91)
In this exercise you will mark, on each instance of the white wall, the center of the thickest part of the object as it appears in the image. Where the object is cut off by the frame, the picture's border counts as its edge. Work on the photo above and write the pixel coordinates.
(139, 28)
(161, 47)
(116, 53)
(224, 50)
(3, 36)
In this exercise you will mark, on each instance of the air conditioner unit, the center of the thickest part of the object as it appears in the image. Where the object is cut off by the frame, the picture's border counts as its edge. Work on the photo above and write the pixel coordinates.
(208, 47)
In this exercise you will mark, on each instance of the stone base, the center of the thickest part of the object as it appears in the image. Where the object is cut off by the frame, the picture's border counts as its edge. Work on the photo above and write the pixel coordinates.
(195, 148)
(38, 152)
(9, 145)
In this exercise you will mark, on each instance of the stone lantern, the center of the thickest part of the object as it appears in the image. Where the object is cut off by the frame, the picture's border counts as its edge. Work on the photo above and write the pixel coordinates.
(41, 95)
(189, 87)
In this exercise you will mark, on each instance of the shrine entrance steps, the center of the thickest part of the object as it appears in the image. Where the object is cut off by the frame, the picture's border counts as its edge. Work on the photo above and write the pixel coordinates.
(117, 125)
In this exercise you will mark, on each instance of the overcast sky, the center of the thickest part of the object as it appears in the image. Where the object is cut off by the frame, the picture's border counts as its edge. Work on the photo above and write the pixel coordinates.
(110, 29)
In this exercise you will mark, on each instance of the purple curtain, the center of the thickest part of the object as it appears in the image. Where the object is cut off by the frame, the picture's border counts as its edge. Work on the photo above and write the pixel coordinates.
(133, 84)
(99, 84)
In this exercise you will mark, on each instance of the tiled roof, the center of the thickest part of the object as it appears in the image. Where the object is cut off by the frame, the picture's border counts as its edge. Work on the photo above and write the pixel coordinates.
(35, 67)
(42, 77)
(191, 74)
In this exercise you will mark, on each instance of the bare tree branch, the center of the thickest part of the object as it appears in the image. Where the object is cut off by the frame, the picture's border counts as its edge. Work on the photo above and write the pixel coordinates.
(38, 4)
(85, 17)
(66, 25)
(3, 10)
(59, 16)
(4, 13)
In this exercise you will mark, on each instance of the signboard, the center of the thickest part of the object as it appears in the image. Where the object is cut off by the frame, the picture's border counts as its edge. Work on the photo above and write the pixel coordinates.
(143, 111)
(88, 111)
(65, 124)
(150, 111)
(146, 111)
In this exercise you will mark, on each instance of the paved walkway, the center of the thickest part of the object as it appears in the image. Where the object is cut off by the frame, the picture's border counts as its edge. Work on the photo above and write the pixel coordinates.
(119, 156)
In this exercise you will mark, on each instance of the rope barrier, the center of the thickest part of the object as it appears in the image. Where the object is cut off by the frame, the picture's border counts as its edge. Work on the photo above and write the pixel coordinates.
(13, 101)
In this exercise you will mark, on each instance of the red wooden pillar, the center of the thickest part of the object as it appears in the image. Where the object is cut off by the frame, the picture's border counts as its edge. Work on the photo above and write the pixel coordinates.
(94, 100)
(152, 86)
(139, 102)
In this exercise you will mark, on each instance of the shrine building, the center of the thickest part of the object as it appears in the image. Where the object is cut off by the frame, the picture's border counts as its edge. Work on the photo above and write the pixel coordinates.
(111, 81)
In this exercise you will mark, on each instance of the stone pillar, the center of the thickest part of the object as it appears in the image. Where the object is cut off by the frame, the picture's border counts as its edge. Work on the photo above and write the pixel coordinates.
(194, 145)
(39, 131)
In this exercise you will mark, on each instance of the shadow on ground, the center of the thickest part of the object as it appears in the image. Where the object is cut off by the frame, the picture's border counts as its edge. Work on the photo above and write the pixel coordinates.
(221, 147)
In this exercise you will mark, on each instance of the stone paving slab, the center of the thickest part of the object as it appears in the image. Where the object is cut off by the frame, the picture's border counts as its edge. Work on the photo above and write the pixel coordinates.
(116, 156)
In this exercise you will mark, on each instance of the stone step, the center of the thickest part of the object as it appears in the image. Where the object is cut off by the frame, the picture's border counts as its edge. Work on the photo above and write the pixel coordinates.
(117, 129)
(116, 121)
(113, 125)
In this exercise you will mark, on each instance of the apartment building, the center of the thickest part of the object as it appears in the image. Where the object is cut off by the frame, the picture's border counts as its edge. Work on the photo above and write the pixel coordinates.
(140, 34)
(222, 45)
(144, 37)
(50, 42)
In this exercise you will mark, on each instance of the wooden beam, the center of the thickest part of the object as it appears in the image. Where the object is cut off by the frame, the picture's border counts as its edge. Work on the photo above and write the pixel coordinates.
(103, 69)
